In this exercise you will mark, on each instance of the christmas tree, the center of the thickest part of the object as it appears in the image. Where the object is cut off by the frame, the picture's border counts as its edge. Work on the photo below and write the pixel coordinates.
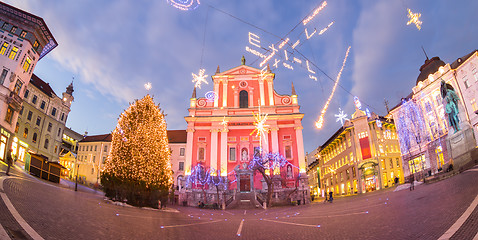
(138, 169)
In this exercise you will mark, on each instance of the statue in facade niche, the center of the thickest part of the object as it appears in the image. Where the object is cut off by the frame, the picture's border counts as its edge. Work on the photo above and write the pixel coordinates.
(451, 104)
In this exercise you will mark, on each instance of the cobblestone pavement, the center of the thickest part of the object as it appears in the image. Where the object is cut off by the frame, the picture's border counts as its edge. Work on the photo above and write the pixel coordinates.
(427, 212)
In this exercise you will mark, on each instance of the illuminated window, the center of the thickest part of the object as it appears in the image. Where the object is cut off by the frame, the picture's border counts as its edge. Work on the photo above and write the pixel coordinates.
(3, 49)
(23, 34)
(473, 105)
(18, 86)
(35, 44)
(243, 99)
(13, 53)
(25, 133)
(26, 64)
(391, 163)
(383, 164)
(34, 139)
(398, 162)
(3, 76)
(9, 115)
(232, 154)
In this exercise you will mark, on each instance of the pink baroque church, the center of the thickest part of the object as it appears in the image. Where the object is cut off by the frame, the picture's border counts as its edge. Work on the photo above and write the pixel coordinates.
(221, 146)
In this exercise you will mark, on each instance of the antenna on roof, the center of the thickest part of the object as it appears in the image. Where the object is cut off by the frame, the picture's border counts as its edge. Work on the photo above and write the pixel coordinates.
(425, 52)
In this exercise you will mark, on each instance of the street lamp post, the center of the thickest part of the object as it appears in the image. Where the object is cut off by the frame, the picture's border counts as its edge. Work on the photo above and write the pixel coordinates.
(76, 178)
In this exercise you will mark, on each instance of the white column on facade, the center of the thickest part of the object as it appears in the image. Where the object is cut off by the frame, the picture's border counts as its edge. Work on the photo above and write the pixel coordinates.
(271, 94)
(300, 148)
(224, 149)
(216, 91)
(275, 139)
(213, 163)
(261, 91)
(189, 151)
(224, 93)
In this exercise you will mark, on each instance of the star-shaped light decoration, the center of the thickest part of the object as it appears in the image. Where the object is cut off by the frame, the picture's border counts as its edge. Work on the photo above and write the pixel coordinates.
(200, 78)
(148, 86)
(261, 129)
(414, 18)
(224, 124)
(341, 117)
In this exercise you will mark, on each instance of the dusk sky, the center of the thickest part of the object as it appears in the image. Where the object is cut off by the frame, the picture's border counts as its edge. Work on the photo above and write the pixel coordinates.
(112, 48)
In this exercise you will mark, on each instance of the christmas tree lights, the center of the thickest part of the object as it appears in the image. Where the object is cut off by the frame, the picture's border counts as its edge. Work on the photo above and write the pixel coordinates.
(140, 154)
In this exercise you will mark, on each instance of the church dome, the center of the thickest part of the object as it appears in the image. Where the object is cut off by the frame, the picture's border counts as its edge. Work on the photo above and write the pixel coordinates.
(429, 67)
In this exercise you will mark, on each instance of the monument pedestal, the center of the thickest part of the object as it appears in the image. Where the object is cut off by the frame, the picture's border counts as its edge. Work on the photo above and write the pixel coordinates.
(460, 145)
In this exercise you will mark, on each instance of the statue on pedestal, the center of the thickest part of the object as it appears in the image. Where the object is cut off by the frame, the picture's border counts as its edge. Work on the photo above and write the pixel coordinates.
(451, 104)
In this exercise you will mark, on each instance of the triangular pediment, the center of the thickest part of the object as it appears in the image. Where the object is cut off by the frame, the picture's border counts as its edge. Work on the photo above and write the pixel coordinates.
(241, 70)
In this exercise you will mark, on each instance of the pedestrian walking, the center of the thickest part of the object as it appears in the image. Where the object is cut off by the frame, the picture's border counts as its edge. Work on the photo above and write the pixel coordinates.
(330, 197)
(412, 180)
(396, 180)
(9, 163)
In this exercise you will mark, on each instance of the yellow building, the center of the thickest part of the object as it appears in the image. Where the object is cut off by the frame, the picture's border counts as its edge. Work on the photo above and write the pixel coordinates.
(362, 156)
(68, 161)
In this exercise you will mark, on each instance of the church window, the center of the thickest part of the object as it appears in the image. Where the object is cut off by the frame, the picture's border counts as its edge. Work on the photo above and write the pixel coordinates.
(243, 99)
(232, 154)
(201, 154)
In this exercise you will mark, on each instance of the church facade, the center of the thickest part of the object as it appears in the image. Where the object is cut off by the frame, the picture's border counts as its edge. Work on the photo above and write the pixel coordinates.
(220, 130)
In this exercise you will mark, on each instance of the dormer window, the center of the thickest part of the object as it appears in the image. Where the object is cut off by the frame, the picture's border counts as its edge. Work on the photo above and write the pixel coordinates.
(243, 99)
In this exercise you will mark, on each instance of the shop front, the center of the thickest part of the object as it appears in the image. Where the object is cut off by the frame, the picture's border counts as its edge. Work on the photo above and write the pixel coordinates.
(369, 175)
(19, 149)
(4, 136)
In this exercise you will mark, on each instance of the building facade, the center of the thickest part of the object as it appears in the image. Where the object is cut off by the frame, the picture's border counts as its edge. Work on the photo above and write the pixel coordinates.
(177, 144)
(24, 40)
(92, 153)
(42, 120)
(313, 172)
(220, 130)
(429, 144)
(362, 156)
(466, 73)
(70, 141)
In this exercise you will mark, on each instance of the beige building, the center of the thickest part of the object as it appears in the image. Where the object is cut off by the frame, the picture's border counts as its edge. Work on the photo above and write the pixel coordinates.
(177, 144)
(313, 172)
(362, 156)
(92, 153)
(42, 120)
(24, 40)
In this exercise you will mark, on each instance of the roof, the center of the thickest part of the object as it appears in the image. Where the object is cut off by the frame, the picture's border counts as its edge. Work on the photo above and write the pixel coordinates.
(177, 136)
(429, 67)
(43, 86)
(461, 60)
(10, 10)
(174, 136)
(97, 138)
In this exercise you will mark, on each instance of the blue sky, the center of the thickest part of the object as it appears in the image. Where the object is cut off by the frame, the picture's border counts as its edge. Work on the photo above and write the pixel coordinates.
(112, 48)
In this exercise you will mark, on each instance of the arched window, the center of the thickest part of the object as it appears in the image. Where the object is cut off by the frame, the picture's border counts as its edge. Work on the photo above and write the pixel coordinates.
(25, 133)
(243, 99)
(34, 139)
(46, 144)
